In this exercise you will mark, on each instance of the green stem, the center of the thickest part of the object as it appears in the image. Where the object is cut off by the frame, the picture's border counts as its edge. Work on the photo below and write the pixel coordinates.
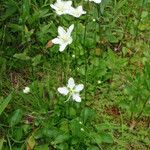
(76, 25)
(10, 148)
(98, 14)
(142, 109)
(85, 61)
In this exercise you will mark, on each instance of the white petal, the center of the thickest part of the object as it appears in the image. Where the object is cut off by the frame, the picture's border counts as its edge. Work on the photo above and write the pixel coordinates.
(62, 47)
(70, 29)
(71, 83)
(70, 40)
(96, 1)
(26, 90)
(80, 9)
(61, 31)
(69, 3)
(53, 6)
(76, 97)
(79, 87)
(56, 41)
(63, 90)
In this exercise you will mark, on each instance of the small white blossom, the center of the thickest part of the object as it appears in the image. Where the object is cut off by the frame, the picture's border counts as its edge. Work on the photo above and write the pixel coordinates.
(99, 81)
(96, 1)
(77, 12)
(82, 129)
(80, 122)
(62, 7)
(73, 56)
(26, 90)
(72, 90)
(94, 20)
(64, 37)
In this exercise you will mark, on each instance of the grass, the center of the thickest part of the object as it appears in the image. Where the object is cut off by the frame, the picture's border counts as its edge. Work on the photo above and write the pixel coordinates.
(109, 55)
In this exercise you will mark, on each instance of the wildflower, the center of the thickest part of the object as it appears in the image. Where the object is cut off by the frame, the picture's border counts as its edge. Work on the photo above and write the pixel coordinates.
(62, 7)
(77, 12)
(80, 122)
(82, 129)
(96, 1)
(64, 37)
(99, 81)
(73, 56)
(72, 90)
(26, 90)
(94, 20)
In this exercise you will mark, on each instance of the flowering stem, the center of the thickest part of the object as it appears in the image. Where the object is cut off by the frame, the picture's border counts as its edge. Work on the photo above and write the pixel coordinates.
(98, 14)
(76, 29)
(67, 63)
(68, 98)
(85, 60)
(62, 60)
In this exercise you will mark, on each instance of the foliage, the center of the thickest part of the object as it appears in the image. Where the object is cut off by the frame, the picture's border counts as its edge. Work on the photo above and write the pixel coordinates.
(109, 54)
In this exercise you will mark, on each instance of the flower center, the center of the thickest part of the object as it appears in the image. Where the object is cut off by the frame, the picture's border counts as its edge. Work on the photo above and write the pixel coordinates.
(61, 8)
(64, 38)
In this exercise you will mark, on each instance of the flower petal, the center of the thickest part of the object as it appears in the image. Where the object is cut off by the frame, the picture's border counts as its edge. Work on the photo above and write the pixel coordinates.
(70, 29)
(61, 31)
(79, 87)
(76, 97)
(71, 83)
(62, 47)
(63, 90)
(53, 6)
(68, 3)
(56, 41)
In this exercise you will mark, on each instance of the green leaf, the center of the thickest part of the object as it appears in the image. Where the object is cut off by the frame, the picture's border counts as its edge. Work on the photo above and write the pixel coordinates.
(36, 60)
(87, 114)
(16, 117)
(22, 56)
(106, 138)
(17, 133)
(42, 147)
(1, 143)
(93, 148)
(61, 138)
(26, 9)
(4, 103)
(31, 142)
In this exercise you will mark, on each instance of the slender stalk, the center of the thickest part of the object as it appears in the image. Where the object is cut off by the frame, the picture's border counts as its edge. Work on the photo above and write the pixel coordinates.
(142, 109)
(76, 29)
(9, 144)
(67, 63)
(85, 61)
(68, 117)
(98, 14)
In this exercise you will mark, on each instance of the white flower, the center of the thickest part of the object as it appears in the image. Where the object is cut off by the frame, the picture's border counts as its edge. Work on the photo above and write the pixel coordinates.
(99, 81)
(62, 7)
(77, 12)
(73, 56)
(94, 20)
(96, 1)
(80, 122)
(72, 89)
(26, 90)
(82, 129)
(64, 37)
